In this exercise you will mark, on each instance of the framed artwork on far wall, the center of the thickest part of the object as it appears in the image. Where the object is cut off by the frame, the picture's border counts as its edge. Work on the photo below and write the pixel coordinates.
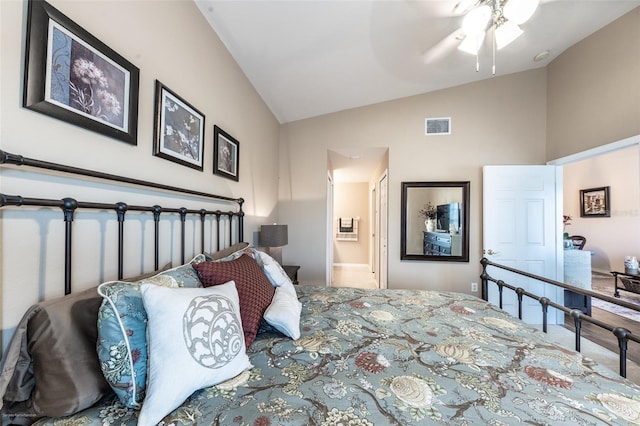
(595, 202)
(178, 129)
(72, 76)
(226, 154)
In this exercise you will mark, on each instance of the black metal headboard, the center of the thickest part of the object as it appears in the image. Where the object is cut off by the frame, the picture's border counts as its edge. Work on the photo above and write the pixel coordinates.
(69, 206)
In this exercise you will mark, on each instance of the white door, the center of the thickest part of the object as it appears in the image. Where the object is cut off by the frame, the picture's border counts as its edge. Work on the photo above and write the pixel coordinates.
(382, 232)
(521, 229)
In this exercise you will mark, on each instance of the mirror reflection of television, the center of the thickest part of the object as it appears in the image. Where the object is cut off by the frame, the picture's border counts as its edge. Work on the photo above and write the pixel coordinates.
(447, 215)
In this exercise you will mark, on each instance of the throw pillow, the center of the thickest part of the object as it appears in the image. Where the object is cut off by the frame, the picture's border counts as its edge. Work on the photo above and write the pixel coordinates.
(221, 254)
(122, 337)
(274, 271)
(195, 341)
(50, 367)
(122, 330)
(254, 289)
(284, 312)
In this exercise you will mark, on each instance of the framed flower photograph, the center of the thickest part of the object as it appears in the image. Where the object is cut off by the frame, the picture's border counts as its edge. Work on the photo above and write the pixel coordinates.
(226, 154)
(74, 77)
(178, 129)
(594, 202)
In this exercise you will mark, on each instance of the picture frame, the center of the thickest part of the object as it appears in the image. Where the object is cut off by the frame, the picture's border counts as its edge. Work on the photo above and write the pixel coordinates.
(178, 129)
(595, 202)
(71, 75)
(226, 154)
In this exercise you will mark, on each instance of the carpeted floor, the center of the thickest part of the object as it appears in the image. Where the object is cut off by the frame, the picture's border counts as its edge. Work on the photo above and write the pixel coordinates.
(604, 284)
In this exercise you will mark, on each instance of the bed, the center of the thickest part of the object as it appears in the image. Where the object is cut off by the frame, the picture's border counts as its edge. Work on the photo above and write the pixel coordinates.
(305, 355)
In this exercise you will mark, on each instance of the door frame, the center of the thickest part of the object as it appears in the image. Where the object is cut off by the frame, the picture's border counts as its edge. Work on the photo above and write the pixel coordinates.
(383, 231)
(329, 241)
(373, 230)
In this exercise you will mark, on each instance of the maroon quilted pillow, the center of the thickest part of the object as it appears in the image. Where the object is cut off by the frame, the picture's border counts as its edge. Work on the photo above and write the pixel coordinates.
(254, 289)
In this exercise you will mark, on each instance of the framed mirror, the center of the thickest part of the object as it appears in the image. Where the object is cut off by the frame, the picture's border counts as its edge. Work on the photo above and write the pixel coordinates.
(435, 221)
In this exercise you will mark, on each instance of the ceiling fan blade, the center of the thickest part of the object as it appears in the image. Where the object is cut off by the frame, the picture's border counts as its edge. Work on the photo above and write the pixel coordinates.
(464, 6)
(443, 47)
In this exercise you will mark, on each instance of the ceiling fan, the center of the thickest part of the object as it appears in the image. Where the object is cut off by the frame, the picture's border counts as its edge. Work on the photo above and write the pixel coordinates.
(501, 19)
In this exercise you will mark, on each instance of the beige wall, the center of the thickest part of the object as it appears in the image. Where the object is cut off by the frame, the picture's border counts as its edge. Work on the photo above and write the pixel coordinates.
(352, 200)
(497, 121)
(609, 238)
(169, 41)
(593, 90)
(589, 96)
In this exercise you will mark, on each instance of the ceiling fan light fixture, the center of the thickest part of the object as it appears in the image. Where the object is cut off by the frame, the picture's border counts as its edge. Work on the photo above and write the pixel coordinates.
(520, 11)
(507, 33)
(476, 20)
(472, 43)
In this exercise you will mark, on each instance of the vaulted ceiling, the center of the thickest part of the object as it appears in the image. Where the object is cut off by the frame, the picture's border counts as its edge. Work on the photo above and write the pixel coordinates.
(312, 57)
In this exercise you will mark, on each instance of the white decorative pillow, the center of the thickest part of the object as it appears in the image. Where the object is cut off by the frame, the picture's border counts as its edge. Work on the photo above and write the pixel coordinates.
(284, 312)
(195, 340)
(274, 271)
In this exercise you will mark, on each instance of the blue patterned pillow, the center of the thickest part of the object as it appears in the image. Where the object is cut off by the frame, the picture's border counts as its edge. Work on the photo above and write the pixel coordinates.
(122, 330)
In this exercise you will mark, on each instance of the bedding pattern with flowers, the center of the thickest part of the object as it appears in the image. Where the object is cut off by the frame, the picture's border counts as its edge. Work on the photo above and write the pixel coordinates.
(402, 357)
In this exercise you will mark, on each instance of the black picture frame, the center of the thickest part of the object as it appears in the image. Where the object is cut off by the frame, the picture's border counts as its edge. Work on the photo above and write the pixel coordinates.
(178, 129)
(226, 154)
(595, 202)
(72, 76)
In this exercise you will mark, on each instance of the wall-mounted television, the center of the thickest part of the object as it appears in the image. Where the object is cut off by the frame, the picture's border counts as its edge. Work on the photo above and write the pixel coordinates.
(447, 215)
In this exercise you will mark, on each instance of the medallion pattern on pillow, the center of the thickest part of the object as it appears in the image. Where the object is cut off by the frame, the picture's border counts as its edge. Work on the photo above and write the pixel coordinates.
(210, 350)
(122, 330)
(254, 288)
(212, 332)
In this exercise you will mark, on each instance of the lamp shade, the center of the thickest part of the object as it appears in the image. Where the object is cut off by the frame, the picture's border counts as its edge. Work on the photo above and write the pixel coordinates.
(273, 235)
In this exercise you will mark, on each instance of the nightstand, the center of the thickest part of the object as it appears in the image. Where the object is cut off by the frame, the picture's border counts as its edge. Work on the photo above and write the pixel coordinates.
(292, 272)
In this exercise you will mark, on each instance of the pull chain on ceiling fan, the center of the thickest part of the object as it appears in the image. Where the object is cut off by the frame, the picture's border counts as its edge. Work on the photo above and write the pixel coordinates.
(502, 17)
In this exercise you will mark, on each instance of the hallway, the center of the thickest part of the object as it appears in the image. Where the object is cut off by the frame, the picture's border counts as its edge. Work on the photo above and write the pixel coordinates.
(353, 275)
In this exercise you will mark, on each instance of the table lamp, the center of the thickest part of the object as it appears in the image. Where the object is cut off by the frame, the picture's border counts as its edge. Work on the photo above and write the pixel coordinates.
(273, 237)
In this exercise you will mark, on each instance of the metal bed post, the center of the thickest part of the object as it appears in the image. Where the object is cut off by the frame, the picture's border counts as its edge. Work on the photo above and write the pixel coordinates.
(623, 336)
(240, 219)
(121, 210)
(156, 236)
(203, 215)
(183, 218)
(218, 213)
(230, 228)
(69, 205)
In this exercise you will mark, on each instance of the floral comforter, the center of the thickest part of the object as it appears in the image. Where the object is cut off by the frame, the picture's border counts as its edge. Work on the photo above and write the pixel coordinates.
(401, 357)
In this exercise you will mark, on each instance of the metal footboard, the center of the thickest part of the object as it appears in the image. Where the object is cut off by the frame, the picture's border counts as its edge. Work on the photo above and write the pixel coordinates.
(622, 334)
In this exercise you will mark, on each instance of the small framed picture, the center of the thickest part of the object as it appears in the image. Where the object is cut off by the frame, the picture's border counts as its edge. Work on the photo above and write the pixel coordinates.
(595, 202)
(72, 76)
(226, 154)
(178, 130)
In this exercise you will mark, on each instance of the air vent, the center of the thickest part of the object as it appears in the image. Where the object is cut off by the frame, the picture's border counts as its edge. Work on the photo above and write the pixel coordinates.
(437, 126)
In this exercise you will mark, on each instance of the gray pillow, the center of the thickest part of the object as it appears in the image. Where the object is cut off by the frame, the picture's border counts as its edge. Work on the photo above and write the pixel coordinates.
(221, 254)
(51, 367)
